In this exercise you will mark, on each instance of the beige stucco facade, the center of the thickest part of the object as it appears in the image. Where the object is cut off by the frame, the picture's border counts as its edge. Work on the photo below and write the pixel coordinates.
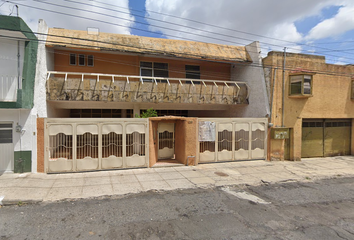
(331, 97)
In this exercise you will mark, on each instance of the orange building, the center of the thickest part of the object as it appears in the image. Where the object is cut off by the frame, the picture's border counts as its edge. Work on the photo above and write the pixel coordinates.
(312, 106)
(113, 77)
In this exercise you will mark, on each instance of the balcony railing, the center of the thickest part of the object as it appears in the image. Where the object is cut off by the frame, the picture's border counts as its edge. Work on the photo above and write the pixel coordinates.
(71, 86)
(8, 88)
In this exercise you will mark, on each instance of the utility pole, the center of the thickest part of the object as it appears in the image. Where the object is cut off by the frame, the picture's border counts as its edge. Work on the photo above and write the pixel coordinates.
(283, 95)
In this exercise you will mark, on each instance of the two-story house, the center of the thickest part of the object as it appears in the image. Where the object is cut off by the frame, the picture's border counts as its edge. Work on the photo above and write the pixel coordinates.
(87, 75)
(312, 106)
(18, 55)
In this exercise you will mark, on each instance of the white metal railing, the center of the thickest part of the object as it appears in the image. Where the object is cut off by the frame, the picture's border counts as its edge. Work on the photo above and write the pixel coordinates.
(8, 88)
(127, 78)
(69, 86)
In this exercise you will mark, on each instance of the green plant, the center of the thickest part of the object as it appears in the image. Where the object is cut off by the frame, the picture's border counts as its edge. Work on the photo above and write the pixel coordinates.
(20, 203)
(148, 113)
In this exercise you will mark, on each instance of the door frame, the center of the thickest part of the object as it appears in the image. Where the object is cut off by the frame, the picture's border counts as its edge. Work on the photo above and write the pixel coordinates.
(159, 157)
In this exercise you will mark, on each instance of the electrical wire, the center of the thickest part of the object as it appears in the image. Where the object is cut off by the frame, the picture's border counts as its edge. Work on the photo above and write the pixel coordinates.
(205, 24)
(317, 52)
(96, 41)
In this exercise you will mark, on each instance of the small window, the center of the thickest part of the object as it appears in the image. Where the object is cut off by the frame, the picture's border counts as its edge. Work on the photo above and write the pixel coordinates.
(193, 72)
(90, 60)
(301, 85)
(154, 69)
(5, 133)
(81, 60)
(72, 59)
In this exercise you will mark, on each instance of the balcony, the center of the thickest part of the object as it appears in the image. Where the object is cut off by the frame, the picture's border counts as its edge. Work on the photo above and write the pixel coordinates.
(8, 88)
(71, 86)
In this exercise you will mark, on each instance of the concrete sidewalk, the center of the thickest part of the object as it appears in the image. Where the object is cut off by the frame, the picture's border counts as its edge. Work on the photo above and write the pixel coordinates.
(37, 187)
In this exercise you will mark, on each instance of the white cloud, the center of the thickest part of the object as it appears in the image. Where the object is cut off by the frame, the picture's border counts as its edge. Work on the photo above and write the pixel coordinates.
(272, 18)
(80, 19)
(342, 22)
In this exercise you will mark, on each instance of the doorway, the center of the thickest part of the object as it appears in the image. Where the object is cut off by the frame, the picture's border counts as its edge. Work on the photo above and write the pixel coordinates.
(166, 142)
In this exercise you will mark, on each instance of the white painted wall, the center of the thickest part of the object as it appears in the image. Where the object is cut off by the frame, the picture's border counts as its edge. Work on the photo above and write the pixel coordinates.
(9, 71)
(45, 62)
(22, 141)
(8, 57)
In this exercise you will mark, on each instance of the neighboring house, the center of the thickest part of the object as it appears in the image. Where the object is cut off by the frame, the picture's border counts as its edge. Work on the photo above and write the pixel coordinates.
(312, 115)
(88, 74)
(18, 55)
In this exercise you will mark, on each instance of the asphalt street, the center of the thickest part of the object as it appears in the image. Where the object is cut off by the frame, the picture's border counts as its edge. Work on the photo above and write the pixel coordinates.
(314, 210)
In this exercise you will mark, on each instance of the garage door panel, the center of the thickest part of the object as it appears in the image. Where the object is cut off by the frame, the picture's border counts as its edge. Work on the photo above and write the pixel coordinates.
(337, 141)
(326, 137)
(312, 142)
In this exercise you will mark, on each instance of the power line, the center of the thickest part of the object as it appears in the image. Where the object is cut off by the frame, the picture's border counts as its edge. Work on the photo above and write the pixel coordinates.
(175, 24)
(235, 63)
(175, 36)
(130, 27)
(191, 20)
(206, 24)
(318, 52)
(129, 20)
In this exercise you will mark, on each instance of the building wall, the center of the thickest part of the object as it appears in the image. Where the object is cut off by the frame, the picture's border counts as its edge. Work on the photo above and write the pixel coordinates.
(16, 25)
(253, 75)
(23, 141)
(331, 89)
(130, 65)
(45, 62)
(9, 63)
(19, 112)
(40, 145)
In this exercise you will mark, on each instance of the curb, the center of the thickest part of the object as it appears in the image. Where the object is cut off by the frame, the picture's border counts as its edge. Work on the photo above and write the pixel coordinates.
(7, 202)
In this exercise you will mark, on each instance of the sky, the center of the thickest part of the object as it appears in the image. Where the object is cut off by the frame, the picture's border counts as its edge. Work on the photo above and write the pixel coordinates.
(320, 27)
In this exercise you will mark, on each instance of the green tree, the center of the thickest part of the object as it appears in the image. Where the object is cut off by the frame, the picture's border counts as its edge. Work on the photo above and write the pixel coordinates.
(148, 113)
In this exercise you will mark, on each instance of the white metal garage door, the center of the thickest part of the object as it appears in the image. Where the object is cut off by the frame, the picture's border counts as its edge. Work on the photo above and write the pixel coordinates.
(232, 139)
(91, 144)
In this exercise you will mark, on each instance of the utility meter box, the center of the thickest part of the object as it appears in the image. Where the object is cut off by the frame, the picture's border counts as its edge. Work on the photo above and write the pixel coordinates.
(280, 133)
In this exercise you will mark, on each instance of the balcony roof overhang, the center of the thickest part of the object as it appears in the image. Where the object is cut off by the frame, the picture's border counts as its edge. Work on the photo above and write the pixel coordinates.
(129, 44)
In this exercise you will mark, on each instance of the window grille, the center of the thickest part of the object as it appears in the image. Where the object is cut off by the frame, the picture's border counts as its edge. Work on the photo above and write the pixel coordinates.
(87, 146)
(112, 145)
(60, 146)
(135, 144)
(225, 140)
(257, 139)
(242, 140)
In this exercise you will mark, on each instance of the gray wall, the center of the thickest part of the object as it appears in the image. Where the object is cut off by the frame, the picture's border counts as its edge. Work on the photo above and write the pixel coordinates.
(253, 75)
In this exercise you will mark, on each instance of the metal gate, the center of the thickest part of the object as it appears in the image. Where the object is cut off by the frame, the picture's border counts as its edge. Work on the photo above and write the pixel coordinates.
(232, 139)
(166, 141)
(6, 147)
(326, 137)
(94, 144)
